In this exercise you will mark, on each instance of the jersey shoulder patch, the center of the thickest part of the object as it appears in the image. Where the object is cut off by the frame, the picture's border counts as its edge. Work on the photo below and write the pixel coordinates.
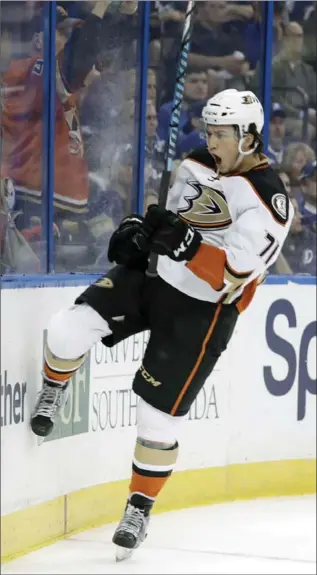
(202, 156)
(270, 190)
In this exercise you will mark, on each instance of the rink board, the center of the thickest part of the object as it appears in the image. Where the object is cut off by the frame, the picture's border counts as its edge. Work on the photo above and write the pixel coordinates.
(251, 432)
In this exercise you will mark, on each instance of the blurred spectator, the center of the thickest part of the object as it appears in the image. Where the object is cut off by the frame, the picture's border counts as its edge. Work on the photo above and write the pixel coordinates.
(79, 45)
(299, 251)
(105, 23)
(96, 115)
(299, 10)
(254, 31)
(109, 203)
(116, 200)
(283, 175)
(108, 102)
(166, 25)
(238, 15)
(277, 130)
(154, 150)
(16, 254)
(22, 118)
(291, 79)
(241, 81)
(16, 20)
(281, 19)
(154, 145)
(216, 83)
(152, 86)
(77, 9)
(309, 28)
(169, 18)
(194, 132)
(211, 46)
(166, 21)
(151, 126)
(195, 90)
(108, 206)
(307, 199)
(296, 156)
(171, 13)
(6, 48)
(111, 139)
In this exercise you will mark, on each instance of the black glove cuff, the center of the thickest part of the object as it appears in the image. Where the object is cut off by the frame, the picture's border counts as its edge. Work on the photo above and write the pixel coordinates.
(194, 246)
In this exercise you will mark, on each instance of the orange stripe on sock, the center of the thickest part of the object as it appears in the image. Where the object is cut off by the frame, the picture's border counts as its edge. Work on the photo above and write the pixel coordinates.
(150, 486)
(199, 360)
(60, 377)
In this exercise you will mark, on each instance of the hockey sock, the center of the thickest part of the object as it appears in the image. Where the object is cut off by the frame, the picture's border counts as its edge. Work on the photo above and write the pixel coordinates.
(59, 370)
(152, 466)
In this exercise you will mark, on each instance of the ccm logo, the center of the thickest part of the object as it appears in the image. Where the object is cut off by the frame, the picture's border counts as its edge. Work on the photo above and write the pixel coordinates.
(149, 378)
(187, 241)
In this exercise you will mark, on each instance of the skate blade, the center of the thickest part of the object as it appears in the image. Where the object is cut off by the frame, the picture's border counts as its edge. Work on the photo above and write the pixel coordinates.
(122, 553)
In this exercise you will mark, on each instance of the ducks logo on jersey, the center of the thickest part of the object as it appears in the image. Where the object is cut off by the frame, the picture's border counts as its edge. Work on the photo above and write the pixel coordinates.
(208, 208)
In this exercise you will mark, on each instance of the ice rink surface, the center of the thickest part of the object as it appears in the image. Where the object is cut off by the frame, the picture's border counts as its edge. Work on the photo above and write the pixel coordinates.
(269, 536)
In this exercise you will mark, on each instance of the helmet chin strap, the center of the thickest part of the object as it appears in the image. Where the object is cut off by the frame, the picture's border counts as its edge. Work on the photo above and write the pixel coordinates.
(242, 153)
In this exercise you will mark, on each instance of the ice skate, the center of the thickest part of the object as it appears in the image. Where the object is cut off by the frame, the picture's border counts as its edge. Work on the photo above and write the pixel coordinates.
(132, 529)
(50, 401)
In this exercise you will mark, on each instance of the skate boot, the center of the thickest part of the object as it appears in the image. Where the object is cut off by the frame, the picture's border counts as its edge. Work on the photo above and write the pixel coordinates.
(132, 529)
(51, 399)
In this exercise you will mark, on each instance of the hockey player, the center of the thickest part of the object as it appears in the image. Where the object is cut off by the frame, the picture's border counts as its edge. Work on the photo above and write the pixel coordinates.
(226, 220)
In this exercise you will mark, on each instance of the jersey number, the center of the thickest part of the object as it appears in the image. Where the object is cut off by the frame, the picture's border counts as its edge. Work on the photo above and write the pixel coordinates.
(233, 283)
(270, 248)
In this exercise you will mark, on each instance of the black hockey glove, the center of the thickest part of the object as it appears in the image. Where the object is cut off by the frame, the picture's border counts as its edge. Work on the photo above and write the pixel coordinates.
(124, 248)
(169, 235)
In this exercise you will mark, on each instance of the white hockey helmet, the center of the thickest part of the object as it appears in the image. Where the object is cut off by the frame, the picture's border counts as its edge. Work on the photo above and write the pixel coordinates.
(235, 108)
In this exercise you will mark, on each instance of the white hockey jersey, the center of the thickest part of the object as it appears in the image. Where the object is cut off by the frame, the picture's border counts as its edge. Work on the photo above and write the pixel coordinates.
(243, 219)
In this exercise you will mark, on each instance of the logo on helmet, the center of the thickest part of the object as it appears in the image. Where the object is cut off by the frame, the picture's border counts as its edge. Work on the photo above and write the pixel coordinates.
(248, 99)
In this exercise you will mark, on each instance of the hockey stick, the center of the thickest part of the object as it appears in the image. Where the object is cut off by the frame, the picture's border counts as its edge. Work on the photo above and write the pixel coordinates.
(174, 120)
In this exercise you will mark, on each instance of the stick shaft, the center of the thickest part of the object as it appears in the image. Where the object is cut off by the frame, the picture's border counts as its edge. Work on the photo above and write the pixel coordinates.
(174, 120)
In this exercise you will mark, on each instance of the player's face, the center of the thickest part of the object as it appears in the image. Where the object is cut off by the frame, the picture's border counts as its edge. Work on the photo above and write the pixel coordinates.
(222, 142)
